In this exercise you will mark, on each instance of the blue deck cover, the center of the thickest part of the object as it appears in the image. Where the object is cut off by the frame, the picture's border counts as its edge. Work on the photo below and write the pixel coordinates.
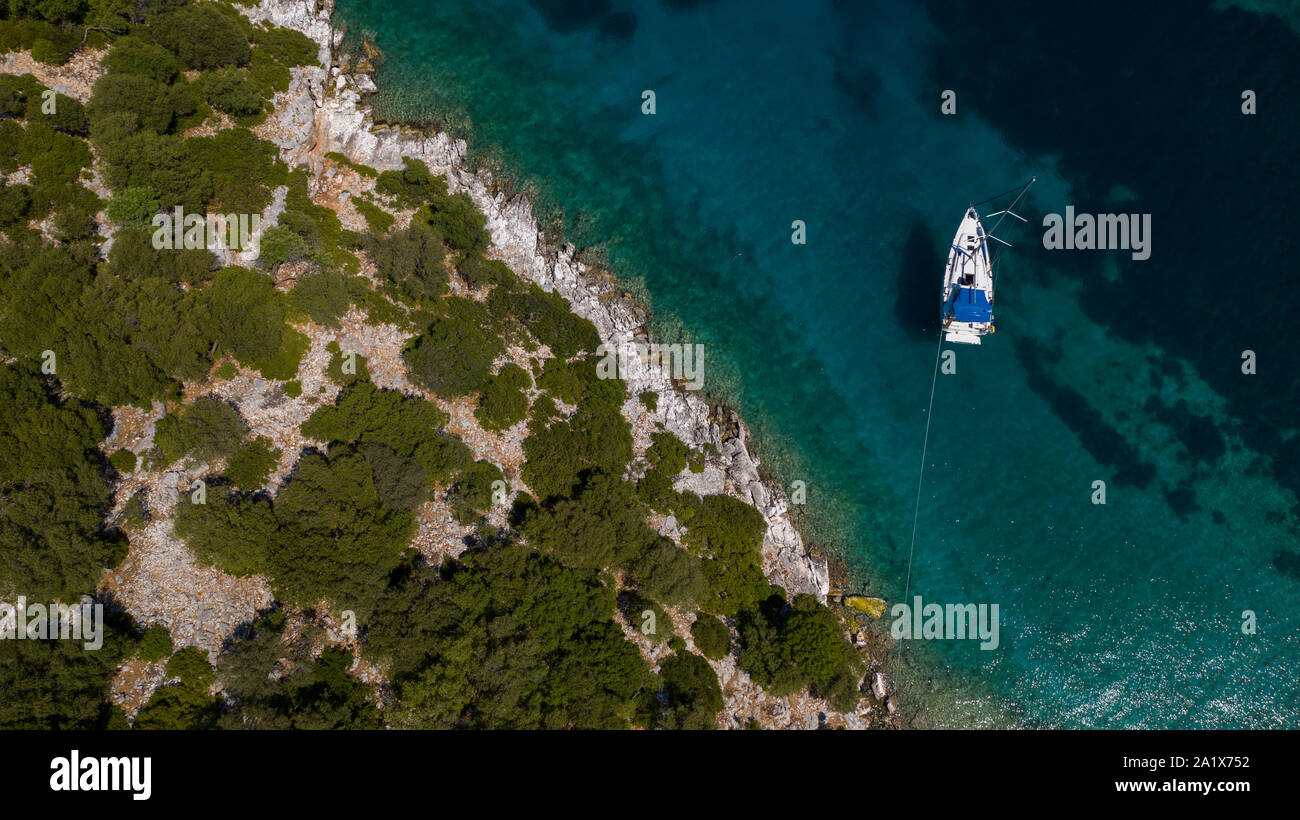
(972, 305)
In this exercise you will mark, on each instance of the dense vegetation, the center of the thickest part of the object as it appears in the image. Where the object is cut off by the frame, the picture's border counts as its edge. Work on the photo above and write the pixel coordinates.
(315, 691)
(54, 492)
(506, 637)
(57, 684)
(130, 331)
(528, 628)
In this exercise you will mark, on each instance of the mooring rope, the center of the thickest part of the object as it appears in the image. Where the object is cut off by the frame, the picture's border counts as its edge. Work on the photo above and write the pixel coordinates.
(920, 479)
(934, 380)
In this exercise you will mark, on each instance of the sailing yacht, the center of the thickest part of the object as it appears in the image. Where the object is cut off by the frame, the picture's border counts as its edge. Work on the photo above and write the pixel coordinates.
(967, 306)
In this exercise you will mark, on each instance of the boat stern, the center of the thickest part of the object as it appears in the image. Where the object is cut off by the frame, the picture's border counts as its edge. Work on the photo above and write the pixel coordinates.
(964, 335)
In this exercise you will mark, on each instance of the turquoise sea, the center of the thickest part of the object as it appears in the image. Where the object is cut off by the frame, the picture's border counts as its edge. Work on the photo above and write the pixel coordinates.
(1103, 368)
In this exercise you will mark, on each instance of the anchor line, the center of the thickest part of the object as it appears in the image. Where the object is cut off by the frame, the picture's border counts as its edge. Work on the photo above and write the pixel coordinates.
(920, 479)
(934, 381)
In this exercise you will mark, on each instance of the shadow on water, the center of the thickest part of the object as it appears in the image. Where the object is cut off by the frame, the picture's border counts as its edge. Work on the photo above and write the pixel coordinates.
(1100, 439)
(571, 15)
(919, 276)
(685, 5)
(620, 25)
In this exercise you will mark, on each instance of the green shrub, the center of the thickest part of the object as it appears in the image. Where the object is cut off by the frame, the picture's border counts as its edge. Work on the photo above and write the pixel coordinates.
(233, 534)
(134, 207)
(503, 402)
(363, 170)
(321, 295)
(452, 357)
(645, 617)
(243, 169)
(245, 314)
(155, 644)
(479, 272)
(576, 383)
(280, 245)
(143, 159)
(570, 664)
(267, 75)
(207, 429)
(328, 244)
(17, 92)
(134, 513)
(559, 455)
(335, 369)
(711, 636)
(50, 52)
(203, 36)
(135, 56)
(411, 260)
(788, 648)
(12, 153)
(656, 490)
(409, 426)
(282, 364)
(123, 461)
(15, 207)
(600, 526)
(728, 534)
(328, 534)
(251, 463)
(120, 342)
(285, 46)
(230, 91)
(68, 116)
(668, 572)
(400, 480)
(57, 684)
(548, 318)
(695, 462)
(55, 158)
(668, 454)
(458, 221)
(134, 258)
(413, 186)
(155, 105)
(272, 681)
(377, 219)
(471, 494)
(185, 704)
(692, 690)
(55, 495)
(61, 40)
(74, 223)
(650, 401)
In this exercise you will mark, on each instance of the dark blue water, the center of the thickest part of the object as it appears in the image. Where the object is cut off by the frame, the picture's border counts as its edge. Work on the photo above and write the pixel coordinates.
(1103, 368)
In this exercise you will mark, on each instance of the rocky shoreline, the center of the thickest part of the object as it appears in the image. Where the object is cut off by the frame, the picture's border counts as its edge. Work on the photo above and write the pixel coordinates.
(333, 102)
(324, 112)
(330, 104)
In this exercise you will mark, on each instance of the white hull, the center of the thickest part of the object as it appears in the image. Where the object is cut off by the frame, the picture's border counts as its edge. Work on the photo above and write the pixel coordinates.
(967, 306)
